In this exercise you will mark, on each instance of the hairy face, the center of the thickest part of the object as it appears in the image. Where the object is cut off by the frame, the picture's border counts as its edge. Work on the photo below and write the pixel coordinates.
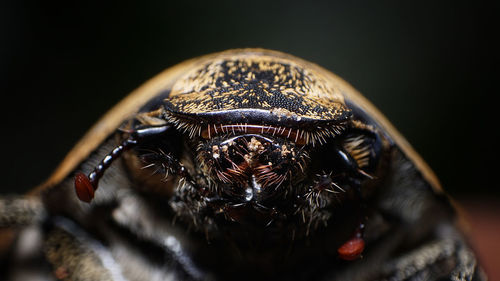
(251, 168)
(257, 141)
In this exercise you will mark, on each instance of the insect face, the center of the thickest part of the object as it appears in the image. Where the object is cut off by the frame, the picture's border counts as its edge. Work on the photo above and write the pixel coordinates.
(251, 167)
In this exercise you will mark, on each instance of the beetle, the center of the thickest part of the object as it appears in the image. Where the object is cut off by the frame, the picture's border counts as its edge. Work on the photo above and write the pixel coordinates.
(243, 164)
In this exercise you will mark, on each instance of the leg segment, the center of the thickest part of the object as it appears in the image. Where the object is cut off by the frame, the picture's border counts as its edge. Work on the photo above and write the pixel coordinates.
(446, 258)
(19, 210)
(76, 256)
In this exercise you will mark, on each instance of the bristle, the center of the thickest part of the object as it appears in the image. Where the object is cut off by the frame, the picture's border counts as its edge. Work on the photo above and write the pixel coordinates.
(358, 150)
(309, 137)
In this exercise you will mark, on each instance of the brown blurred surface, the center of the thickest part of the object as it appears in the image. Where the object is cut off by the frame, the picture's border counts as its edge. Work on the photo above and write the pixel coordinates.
(483, 217)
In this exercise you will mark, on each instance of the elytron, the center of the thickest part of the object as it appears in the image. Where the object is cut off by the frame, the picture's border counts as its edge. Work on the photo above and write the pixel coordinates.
(240, 165)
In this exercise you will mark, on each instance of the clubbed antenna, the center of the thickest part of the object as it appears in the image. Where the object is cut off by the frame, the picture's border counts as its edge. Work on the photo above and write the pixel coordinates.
(86, 186)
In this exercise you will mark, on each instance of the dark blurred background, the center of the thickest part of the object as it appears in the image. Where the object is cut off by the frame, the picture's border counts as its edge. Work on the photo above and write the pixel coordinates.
(430, 66)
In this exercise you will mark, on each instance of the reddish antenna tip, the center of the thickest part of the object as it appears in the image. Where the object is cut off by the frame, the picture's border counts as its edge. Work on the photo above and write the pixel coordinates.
(352, 249)
(84, 188)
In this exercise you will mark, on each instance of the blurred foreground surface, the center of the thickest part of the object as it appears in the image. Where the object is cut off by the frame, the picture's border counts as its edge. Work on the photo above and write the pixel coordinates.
(483, 216)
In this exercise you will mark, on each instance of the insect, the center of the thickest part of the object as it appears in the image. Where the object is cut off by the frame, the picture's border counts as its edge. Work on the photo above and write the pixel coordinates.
(242, 164)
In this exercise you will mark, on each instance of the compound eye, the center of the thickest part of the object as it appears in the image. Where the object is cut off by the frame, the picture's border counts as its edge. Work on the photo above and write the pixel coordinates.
(346, 160)
(355, 155)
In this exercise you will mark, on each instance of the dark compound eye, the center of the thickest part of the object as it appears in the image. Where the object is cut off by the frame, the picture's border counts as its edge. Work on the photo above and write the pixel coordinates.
(346, 161)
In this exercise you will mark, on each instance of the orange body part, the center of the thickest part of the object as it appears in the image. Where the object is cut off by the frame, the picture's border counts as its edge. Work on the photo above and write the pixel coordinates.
(352, 249)
(84, 188)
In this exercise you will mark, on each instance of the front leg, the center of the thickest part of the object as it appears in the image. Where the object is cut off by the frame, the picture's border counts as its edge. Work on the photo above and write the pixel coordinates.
(151, 244)
(74, 255)
(445, 258)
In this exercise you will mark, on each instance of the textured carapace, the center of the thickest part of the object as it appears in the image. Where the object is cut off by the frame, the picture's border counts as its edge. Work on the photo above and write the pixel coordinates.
(265, 83)
(248, 89)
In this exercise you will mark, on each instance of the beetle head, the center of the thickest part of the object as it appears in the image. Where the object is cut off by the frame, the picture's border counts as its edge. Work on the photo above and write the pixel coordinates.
(245, 137)
(252, 122)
